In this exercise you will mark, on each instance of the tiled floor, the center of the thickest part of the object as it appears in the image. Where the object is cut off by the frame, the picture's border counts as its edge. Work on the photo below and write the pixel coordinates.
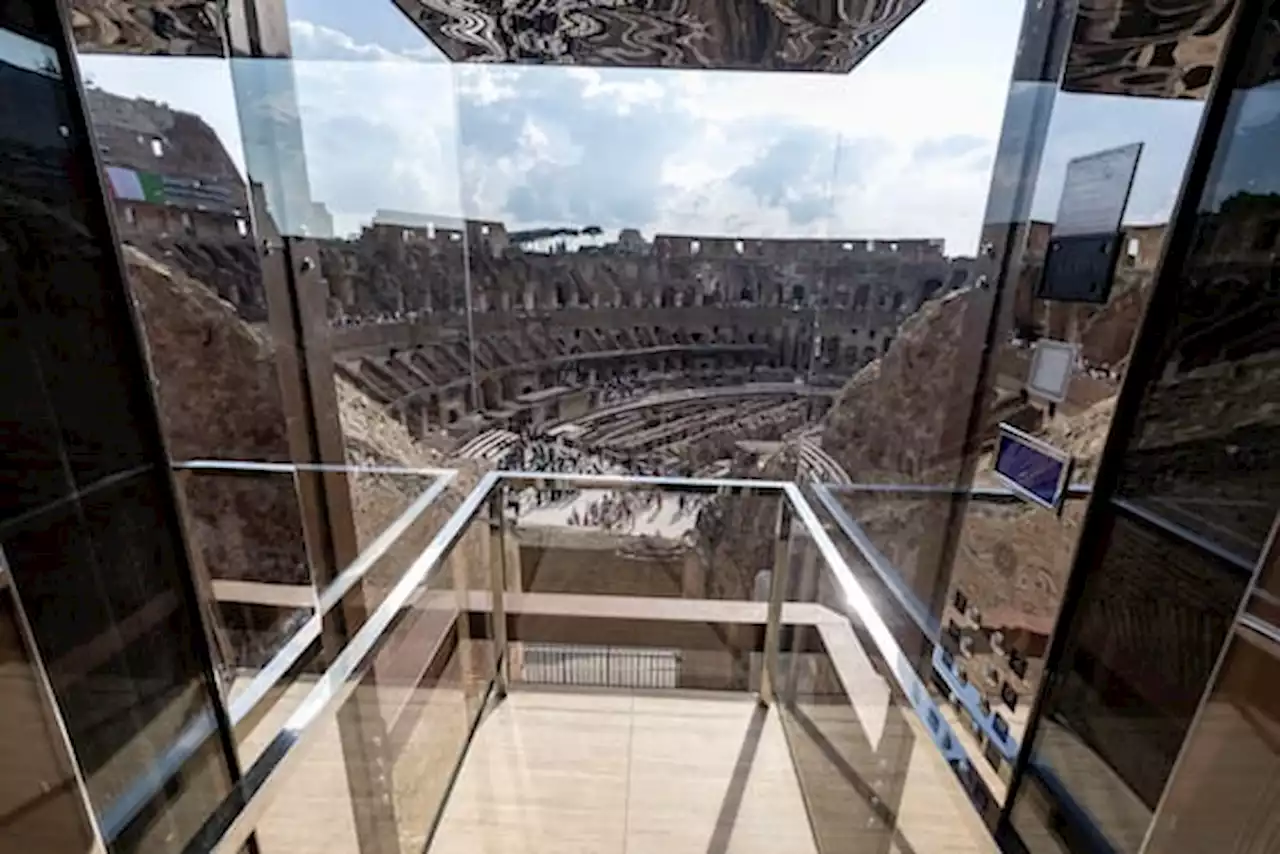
(598, 773)
(565, 771)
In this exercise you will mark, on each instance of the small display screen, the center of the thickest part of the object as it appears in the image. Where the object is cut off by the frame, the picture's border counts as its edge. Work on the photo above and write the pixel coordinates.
(1038, 474)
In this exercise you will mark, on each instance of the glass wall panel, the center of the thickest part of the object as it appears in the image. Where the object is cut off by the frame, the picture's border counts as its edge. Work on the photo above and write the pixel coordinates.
(616, 268)
(880, 768)
(1223, 796)
(1204, 450)
(89, 528)
(374, 755)
(609, 269)
(993, 572)
(212, 164)
(1165, 562)
(169, 138)
(43, 808)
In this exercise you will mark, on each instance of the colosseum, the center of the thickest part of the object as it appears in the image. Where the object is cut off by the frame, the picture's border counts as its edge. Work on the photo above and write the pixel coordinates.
(479, 343)
(473, 333)
(773, 325)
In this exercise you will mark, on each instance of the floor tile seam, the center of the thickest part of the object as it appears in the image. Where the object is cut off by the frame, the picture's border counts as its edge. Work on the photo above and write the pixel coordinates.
(626, 797)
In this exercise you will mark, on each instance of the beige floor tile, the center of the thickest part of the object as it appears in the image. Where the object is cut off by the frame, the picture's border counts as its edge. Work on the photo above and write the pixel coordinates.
(583, 771)
(565, 838)
(693, 704)
(614, 773)
(726, 840)
(589, 701)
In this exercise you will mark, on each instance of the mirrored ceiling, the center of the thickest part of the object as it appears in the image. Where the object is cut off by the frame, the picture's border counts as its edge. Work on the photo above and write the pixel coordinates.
(762, 35)
(756, 35)
(1111, 51)
(1146, 48)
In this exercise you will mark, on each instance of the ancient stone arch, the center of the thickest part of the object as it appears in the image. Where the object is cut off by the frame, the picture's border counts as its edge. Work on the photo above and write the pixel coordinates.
(861, 296)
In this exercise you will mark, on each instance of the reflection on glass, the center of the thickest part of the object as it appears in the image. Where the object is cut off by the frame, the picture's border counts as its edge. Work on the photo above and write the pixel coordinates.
(1205, 455)
(1144, 644)
(1196, 502)
(866, 760)
(90, 543)
(1080, 125)
(1223, 795)
(652, 270)
(44, 806)
(1009, 562)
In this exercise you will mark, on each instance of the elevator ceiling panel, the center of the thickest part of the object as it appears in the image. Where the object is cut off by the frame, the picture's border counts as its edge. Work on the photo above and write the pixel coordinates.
(167, 27)
(766, 35)
(771, 35)
(1147, 48)
(763, 35)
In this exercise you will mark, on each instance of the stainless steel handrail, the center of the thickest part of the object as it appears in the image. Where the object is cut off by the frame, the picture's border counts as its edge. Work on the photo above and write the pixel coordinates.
(987, 493)
(126, 806)
(880, 565)
(1134, 510)
(242, 705)
(236, 817)
(858, 600)
(257, 467)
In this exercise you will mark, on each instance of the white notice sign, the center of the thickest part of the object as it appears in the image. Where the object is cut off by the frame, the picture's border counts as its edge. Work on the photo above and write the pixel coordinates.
(1096, 191)
(1052, 363)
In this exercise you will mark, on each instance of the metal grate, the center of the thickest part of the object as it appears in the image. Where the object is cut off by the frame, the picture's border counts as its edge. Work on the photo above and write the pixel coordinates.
(600, 666)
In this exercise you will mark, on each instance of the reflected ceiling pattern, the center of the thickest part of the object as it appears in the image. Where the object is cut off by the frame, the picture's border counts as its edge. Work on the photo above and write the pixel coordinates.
(1147, 48)
(1264, 56)
(168, 27)
(763, 35)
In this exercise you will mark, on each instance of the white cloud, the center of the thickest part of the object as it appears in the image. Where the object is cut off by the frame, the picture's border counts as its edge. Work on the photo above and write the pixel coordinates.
(311, 41)
(489, 87)
(624, 90)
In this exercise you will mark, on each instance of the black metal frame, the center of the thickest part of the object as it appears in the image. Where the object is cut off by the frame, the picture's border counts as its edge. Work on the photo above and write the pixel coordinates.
(102, 223)
(1143, 364)
(54, 22)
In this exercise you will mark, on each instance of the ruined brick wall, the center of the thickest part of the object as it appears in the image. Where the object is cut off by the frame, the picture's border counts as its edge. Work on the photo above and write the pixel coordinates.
(390, 270)
(1107, 335)
(216, 386)
(905, 414)
(215, 375)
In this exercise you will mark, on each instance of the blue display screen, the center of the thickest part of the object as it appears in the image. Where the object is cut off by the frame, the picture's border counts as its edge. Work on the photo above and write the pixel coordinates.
(1036, 472)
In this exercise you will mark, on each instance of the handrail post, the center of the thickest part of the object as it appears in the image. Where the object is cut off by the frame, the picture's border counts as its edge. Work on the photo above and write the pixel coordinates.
(777, 593)
(498, 586)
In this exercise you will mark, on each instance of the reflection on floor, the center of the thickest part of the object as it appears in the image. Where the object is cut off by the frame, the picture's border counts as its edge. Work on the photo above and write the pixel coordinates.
(1099, 790)
(426, 728)
(563, 770)
(594, 772)
(883, 789)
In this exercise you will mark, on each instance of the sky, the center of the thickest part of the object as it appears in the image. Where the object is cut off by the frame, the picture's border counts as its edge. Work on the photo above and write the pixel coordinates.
(902, 147)
(25, 53)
